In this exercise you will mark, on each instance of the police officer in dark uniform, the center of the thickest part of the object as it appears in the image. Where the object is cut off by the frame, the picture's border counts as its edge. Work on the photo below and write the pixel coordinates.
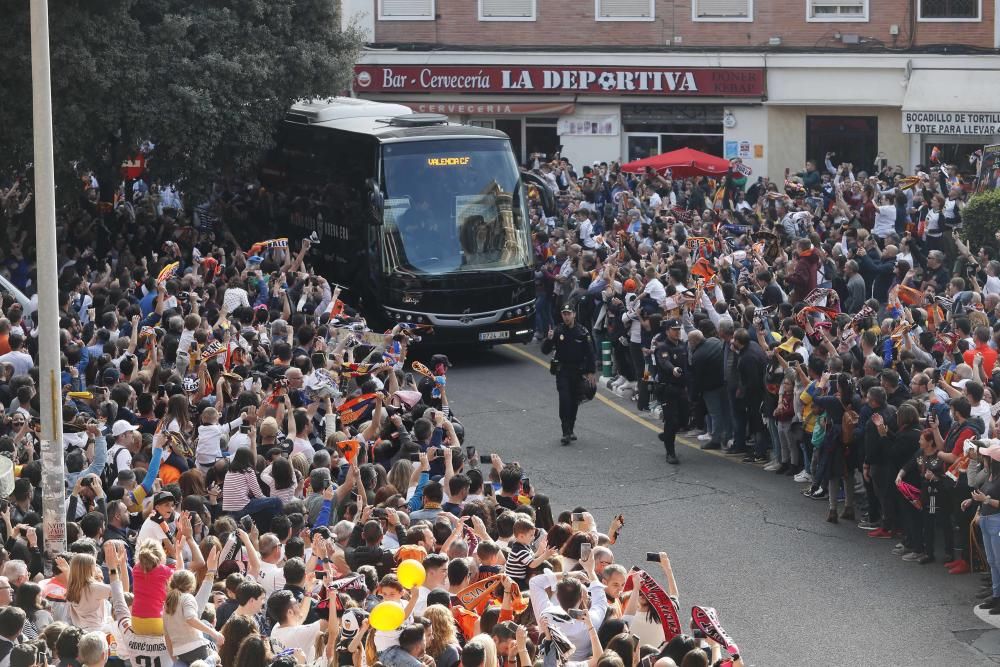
(671, 356)
(574, 365)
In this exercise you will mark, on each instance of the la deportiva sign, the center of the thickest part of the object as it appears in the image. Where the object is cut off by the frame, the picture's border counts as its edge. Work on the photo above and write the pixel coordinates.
(695, 82)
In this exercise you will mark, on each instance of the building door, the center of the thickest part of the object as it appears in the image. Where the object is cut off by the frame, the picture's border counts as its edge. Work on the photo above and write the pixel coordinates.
(540, 136)
(854, 139)
(512, 128)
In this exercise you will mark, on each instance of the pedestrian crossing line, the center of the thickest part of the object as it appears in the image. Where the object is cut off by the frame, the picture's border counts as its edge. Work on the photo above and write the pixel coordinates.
(614, 406)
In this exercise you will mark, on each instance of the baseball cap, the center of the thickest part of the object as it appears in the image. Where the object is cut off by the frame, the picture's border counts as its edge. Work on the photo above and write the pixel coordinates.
(164, 497)
(121, 427)
(111, 375)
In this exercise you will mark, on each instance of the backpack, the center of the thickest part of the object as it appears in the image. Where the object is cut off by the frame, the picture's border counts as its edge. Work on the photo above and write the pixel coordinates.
(109, 476)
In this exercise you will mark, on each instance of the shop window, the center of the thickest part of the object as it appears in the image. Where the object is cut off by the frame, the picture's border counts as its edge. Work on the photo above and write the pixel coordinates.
(837, 10)
(642, 146)
(623, 10)
(854, 139)
(406, 10)
(706, 143)
(722, 10)
(507, 10)
(646, 145)
(950, 10)
(956, 154)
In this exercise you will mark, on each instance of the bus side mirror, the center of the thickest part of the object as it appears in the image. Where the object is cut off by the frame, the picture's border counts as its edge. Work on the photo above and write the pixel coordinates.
(376, 199)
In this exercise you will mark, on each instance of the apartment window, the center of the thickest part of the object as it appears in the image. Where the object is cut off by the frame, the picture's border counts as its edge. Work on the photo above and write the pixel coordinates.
(406, 10)
(623, 10)
(836, 10)
(507, 10)
(722, 10)
(950, 10)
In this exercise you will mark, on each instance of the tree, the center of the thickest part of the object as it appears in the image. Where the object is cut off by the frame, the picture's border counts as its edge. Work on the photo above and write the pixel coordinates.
(205, 81)
(981, 220)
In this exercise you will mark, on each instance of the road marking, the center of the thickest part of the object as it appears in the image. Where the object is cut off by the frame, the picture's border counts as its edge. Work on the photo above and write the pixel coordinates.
(614, 406)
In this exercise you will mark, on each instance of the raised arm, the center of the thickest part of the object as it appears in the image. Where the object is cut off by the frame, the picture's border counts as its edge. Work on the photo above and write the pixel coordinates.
(668, 572)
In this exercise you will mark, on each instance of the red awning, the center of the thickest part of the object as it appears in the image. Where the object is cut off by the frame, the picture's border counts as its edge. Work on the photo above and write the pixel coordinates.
(492, 108)
(682, 162)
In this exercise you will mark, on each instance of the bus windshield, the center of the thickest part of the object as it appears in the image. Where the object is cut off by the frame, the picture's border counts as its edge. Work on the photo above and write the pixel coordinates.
(453, 205)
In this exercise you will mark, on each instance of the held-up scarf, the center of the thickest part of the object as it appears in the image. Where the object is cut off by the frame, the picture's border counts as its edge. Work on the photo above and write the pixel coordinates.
(350, 411)
(167, 272)
(479, 595)
(706, 619)
(658, 599)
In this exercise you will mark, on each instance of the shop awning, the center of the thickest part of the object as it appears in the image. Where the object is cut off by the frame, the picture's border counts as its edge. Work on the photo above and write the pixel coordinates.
(953, 90)
(473, 108)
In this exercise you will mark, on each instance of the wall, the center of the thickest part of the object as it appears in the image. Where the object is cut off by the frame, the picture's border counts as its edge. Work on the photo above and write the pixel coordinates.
(751, 125)
(583, 150)
(562, 22)
(360, 13)
(787, 133)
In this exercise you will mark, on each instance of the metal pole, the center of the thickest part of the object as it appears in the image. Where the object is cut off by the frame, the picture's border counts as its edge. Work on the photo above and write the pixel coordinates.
(49, 378)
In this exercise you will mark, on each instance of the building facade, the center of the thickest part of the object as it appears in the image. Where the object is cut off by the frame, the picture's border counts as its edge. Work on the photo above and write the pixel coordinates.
(775, 82)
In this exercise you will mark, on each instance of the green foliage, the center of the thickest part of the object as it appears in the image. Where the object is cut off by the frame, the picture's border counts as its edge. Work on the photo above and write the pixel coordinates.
(204, 80)
(981, 220)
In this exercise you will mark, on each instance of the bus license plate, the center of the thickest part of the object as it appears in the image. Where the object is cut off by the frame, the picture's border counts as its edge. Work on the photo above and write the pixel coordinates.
(494, 335)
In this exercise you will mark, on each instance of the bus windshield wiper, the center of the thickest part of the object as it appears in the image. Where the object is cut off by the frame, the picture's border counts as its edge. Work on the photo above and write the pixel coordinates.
(506, 274)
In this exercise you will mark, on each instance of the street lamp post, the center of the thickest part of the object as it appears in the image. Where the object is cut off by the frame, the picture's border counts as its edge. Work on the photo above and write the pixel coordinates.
(49, 371)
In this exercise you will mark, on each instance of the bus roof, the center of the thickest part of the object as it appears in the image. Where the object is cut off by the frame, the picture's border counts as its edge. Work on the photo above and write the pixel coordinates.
(350, 114)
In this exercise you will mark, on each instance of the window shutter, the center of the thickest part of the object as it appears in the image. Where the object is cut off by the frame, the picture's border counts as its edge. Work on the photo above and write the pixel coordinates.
(407, 8)
(838, 7)
(723, 8)
(508, 8)
(624, 8)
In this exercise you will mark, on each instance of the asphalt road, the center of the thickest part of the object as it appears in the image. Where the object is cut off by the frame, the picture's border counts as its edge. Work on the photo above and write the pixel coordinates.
(790, 588)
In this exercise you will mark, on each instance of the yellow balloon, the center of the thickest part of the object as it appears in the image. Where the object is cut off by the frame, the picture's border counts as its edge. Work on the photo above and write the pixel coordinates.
(411, 573)
(387, 616)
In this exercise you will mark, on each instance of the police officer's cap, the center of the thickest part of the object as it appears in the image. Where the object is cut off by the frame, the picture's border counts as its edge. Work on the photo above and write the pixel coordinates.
(672, 323)
(567, 308)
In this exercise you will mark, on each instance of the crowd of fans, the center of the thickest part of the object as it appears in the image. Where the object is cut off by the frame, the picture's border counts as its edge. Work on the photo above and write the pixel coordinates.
(837, 330)
(253, 478)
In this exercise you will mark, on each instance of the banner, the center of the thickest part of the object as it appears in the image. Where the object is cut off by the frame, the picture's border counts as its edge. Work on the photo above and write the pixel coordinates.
(988, 176)
(595, 126)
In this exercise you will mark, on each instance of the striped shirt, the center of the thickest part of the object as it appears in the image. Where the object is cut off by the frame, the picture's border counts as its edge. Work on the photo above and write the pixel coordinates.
(518, 561)
(239, 489)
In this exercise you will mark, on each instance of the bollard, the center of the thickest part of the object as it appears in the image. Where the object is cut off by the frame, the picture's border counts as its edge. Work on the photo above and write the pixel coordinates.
(606, 358)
